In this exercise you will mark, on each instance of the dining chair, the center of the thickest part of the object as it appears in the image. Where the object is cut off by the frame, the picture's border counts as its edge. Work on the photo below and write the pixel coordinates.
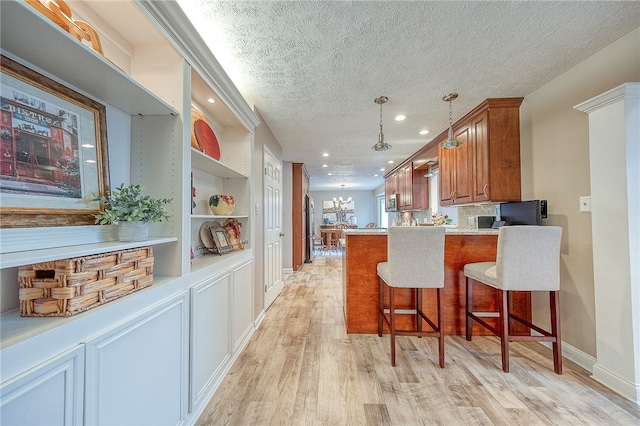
(528, 259)
(415, 260)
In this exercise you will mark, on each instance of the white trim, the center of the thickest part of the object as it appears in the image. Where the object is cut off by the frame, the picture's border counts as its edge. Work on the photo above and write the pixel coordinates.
(616, 383)
(170, 17)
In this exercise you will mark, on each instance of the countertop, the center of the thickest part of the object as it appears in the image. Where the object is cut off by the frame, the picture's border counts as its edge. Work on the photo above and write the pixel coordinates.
(448, 230)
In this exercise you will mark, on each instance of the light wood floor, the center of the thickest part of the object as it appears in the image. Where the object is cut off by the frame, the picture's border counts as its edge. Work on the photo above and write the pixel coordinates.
(301, 368)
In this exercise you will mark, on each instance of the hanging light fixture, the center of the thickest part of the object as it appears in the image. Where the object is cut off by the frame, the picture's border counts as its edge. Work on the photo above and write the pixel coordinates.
(340, 201)
(431, 170)
(381, 145)
(450, 143)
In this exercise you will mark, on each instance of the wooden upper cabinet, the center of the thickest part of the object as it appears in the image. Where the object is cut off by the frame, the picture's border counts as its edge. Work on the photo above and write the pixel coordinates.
(486, 166)
(391, 185)
(405, 187)
(420, 186)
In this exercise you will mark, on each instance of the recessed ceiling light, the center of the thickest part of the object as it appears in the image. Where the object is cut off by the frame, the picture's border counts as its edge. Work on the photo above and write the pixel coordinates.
(401, 117)
(424, 132)
(86, 145)
(382, 169)
(91, 161)
(390, 161)
(329, 174)
(324, 165)
(325, 154)
(211, 101)
(376, 175)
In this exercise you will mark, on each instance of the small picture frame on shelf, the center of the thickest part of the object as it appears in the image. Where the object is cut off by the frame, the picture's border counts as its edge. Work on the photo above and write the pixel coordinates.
(221, 239)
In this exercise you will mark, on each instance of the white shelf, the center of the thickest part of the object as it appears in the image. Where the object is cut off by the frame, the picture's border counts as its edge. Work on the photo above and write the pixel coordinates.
(15, 328)
(213, 217)
(212, 166)
(9, 260)
(56, 51)
(204, 261)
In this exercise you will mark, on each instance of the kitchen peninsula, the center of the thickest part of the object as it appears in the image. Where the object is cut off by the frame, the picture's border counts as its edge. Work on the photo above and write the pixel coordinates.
(365, 248)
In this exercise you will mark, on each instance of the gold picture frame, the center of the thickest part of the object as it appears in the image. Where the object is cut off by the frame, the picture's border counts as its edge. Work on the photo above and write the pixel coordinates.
(53, 151)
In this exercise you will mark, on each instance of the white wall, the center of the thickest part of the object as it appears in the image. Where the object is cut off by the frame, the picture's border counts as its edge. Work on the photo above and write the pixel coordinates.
(555, 167)
(263, 137)
(364, 203)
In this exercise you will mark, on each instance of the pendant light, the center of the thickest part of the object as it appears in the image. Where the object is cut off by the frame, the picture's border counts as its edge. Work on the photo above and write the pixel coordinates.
(431, 170)
(450, 143)
(340, 202)
(381, 145)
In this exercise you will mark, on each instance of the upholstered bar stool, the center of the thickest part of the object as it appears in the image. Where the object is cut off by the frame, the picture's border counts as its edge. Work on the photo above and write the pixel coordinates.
(528, 259)
(415, 260)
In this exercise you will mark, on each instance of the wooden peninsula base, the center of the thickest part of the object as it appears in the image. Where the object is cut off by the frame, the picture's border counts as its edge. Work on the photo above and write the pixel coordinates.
(365, 250)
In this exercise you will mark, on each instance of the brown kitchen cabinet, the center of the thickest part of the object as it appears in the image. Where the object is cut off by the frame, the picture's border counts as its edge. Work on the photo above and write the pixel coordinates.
(486, 166)
(405, 187)
(411, 185)
(420, 187)
(300, 188)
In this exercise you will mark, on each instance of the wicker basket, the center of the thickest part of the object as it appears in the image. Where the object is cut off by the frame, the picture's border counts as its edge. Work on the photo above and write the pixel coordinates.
(67, 287)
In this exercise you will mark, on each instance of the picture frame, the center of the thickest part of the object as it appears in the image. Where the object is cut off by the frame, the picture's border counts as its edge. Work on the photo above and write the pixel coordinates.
(53, 151)
(221, 239)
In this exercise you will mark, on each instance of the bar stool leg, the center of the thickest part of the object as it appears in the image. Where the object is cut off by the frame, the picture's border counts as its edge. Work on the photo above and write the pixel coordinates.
(469, 308)
(554, 302)
(380, 306)
(440, 327)
(418, 309)
(504, 329)
(392, 325)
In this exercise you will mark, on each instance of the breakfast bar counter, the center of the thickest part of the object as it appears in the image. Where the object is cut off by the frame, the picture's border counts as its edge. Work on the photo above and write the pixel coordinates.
(365, 248)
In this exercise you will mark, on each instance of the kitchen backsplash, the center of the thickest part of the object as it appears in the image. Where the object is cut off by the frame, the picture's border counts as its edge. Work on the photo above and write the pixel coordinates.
(467, 212)
(464, 213)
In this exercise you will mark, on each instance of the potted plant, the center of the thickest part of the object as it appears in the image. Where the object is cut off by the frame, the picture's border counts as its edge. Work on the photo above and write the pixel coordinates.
(132, 211)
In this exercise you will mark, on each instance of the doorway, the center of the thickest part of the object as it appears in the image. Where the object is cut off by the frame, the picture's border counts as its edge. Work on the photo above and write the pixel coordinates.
(272, 199)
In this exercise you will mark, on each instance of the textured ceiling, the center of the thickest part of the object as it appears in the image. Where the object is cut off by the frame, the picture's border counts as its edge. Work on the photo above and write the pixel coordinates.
(313, 69)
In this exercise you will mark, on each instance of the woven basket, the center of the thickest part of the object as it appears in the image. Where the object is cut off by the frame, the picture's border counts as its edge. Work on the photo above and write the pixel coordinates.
(67, 287)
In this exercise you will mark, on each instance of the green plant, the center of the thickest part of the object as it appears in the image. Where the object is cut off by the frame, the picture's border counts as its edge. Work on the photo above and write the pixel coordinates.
(128, 204)
(326, 221)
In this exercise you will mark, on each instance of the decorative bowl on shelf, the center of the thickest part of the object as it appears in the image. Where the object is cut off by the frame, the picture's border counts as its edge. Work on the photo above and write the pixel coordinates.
(221, 204)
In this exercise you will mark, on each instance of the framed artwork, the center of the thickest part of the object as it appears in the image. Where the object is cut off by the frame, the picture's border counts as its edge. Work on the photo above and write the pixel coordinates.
(221, 239)
(53, 151)
(338, 211)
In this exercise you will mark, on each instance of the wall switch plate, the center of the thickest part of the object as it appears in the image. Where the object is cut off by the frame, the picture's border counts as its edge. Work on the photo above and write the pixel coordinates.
(585, 204)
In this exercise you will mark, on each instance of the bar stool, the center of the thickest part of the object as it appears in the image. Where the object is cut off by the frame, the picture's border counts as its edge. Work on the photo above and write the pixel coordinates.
(415, 260)
(528, 259)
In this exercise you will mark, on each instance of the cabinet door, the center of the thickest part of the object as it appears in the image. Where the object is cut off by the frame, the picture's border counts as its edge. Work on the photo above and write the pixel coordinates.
(447, 175)
(210, 348)
(137, 373)
(481, 188)
(49, 394)
(407, 188)
(420, 186)
(463, 187)
(242, 286)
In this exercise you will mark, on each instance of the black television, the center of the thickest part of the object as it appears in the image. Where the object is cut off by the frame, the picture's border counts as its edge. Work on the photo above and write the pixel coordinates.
(523, 212)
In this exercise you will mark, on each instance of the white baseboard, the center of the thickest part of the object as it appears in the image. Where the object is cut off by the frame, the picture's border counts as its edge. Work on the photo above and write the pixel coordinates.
(627, 389)
(600, 374)
(286, 271)
(258, 321)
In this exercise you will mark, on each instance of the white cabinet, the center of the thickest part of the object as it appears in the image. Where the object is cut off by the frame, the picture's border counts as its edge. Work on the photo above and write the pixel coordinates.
(137, 373)
(221, 325)
(210, 341)
(48, 394)
(139, 368)
(242, 305)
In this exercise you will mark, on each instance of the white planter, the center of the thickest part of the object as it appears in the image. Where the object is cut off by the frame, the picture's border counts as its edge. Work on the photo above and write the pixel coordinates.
(133, 231)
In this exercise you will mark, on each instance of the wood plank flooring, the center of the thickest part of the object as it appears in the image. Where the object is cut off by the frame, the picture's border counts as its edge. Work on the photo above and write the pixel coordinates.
(301, 368)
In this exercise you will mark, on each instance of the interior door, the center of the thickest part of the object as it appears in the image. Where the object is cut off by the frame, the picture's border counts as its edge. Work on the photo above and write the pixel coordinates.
(272, 227)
